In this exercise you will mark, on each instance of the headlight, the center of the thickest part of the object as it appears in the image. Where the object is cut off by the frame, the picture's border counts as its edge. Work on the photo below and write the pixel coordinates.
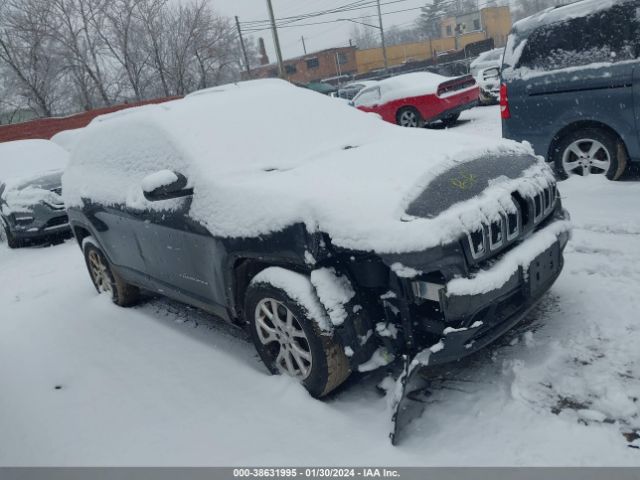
(427, 290)
(22, 219)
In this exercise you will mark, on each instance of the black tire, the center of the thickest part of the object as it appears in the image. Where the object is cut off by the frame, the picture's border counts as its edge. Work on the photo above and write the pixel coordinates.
(109, 282)
(12, 242)
(329, 365)
(409, 117)
(613, 149)
(451, 120)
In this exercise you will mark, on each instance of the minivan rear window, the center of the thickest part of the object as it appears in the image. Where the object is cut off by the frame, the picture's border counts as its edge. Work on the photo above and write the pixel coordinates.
(606, 36)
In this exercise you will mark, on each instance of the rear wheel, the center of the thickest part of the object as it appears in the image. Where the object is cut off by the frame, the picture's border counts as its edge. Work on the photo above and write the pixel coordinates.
(590, 151)
(409, 117)
(105, 279)
(290, 341)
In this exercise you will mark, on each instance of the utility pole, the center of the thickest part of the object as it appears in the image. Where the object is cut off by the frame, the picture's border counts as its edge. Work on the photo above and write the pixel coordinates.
(304, 47)
(244, 50)
(384, 45)
(276, 40)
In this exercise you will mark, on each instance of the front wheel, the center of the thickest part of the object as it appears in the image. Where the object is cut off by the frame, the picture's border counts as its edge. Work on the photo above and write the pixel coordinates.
(105, 279)
(289, 340)
(590, 151)
(5, 234)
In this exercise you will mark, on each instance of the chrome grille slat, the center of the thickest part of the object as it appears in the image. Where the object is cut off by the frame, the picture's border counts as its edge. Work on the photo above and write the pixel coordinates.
(482, 243)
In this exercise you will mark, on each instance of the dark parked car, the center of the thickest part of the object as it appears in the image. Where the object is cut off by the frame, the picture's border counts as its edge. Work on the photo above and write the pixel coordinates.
(333, 257)
(31, 206)
(570, 86)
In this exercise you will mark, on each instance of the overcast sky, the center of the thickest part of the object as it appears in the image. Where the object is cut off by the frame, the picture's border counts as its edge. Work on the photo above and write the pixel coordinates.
(317, 37)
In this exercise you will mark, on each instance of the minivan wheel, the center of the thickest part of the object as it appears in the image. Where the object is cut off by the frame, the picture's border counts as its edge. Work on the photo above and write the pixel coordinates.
(590, 151)
(289, 340)
(105, 279)
(409, 117)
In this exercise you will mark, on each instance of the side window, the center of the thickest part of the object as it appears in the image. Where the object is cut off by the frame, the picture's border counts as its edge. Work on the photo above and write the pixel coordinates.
(604, 37)
(367, 97)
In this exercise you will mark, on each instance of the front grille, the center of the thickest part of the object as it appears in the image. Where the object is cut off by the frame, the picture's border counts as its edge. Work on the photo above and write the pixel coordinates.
(522, 214)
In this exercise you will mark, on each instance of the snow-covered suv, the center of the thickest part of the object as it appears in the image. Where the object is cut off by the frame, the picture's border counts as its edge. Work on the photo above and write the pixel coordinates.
(337, 239)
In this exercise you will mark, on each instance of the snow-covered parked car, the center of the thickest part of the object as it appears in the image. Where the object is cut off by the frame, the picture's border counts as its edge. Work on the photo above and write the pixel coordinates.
(489, 82)
(339, 241)
(349, 91)
(490, 59)
(415, 99)
(31, 205)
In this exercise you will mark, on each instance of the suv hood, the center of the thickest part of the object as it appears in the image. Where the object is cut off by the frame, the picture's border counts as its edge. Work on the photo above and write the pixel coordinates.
(385, 197)
(463, 182)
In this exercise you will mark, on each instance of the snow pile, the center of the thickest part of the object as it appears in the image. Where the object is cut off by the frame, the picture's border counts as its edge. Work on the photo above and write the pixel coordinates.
(21, 160)
(337, 170)
(334, 292)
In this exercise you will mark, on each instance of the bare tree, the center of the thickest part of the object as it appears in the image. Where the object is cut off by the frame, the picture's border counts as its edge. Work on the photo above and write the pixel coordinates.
(62, 55)
(364, 37)
(26, 50)
(73, 25)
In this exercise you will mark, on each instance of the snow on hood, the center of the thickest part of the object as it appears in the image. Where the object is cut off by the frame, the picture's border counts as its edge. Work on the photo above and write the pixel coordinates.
(264, 156)
(23, 160)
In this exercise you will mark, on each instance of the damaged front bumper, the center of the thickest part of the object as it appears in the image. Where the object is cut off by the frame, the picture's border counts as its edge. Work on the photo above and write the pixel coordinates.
(476, 311)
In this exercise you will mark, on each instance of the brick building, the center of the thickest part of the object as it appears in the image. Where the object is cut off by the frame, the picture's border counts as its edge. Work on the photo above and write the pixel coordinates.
(45, 128)
(314, 67)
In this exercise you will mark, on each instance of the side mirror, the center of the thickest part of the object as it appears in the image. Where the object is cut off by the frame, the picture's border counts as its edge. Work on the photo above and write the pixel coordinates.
(165, 185)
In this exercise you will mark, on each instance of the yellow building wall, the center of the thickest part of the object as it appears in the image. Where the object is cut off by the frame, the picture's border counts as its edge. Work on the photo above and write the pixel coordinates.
(496, 21)
(372, 59)
(464, 40)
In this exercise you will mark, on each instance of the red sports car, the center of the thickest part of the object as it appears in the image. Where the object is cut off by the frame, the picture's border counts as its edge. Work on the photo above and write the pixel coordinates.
(414, 99)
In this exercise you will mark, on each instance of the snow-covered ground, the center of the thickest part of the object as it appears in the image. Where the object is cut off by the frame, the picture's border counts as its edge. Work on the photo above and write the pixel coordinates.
(83, 382)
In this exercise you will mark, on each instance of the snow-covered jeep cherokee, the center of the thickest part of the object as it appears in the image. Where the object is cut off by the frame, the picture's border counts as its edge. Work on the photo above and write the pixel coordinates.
(338, 240)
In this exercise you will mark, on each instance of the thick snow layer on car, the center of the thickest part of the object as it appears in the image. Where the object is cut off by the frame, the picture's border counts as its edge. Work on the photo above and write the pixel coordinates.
(562, 13)
(23, 200)
(67, 138)
(23, 159)
(157, 180)
(402, 86)
(304, 159)
(334, 292)
(86, 383)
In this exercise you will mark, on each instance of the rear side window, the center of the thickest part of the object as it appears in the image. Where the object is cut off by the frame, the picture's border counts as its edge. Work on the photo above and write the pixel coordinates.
(604, 37)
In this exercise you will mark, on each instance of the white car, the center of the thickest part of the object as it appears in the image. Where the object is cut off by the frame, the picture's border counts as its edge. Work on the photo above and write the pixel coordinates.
(492, 58)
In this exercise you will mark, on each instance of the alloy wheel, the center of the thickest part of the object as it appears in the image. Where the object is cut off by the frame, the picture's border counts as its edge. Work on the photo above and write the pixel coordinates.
(279, 331)
(586, 157)
(100, 272)
(409, 118)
